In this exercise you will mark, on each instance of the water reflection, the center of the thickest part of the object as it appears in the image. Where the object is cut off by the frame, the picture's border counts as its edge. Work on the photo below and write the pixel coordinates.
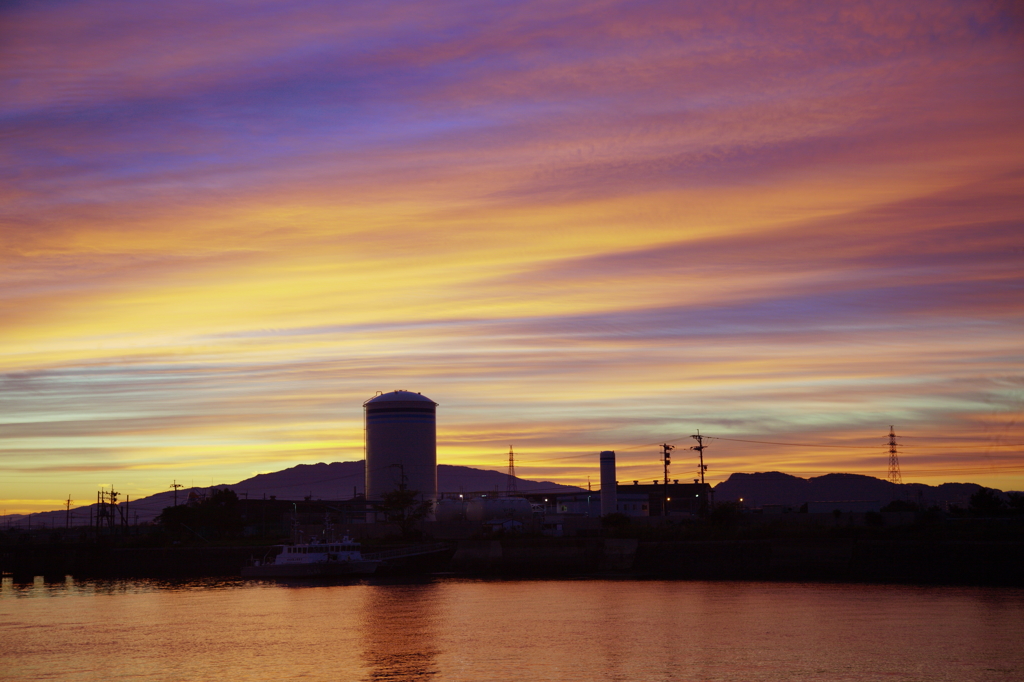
(69, 585)
(463, 630)
(399, 632)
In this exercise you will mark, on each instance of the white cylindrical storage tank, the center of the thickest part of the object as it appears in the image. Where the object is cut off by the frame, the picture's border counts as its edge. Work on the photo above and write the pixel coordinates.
(401, 440)
(609, 492)
(449, 511)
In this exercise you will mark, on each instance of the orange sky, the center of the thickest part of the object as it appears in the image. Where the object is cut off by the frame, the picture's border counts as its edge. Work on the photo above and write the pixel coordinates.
(575, 226)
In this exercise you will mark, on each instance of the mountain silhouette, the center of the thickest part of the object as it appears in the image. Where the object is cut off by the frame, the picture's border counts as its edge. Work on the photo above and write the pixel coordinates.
(335, 481)
(344, 480)
(775, 487)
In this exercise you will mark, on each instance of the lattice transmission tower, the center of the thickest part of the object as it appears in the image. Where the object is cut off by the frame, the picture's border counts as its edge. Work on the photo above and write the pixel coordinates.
(511, 489)
(894, 461)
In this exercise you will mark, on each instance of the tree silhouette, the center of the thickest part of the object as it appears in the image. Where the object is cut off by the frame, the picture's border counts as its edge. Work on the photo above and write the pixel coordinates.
(987, 502)
(402, 508)
(726, 513)
(218, 516)
(900, 506)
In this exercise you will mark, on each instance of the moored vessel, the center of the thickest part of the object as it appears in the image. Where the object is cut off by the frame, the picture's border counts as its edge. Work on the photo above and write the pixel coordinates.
(313, 559)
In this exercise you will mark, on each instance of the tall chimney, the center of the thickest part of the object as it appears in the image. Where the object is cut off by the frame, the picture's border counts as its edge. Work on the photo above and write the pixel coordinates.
(609, 493)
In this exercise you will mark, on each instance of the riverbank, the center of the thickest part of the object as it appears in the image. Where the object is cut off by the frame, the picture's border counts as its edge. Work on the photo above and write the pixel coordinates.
(925, 561)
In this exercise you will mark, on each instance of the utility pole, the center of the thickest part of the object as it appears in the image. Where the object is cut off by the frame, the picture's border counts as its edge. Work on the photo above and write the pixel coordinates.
(67, 519)
(113, 507)
(699, 447)
(511, 489)
(701, 468)
(666, 458)
(176, 486)
(895, 477)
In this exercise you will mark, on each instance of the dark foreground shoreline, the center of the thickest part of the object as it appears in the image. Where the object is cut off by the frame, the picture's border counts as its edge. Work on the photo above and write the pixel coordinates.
(928, 561)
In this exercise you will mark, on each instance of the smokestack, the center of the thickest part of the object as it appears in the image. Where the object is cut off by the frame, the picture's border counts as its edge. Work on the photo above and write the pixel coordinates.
(609, 492)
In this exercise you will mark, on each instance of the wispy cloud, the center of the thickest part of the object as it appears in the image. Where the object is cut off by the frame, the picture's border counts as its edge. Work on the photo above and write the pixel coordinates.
(574, 225)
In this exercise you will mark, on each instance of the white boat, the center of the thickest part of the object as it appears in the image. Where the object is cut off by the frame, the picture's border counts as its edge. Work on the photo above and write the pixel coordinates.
(313, 559)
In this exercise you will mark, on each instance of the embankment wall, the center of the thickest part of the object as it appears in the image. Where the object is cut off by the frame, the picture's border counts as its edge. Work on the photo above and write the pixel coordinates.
(925, 561)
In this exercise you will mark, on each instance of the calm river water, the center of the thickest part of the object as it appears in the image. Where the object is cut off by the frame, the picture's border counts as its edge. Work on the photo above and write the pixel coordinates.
(588, 630)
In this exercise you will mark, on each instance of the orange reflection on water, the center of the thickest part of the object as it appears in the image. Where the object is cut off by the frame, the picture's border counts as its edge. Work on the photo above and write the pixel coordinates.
(399, 631)
(570, 630)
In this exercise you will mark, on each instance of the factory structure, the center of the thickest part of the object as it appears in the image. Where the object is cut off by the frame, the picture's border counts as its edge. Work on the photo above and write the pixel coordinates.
(401, 455)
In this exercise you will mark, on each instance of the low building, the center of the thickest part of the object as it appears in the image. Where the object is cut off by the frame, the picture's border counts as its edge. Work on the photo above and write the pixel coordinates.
(579, 504)
(674, 499)
(633, 504)
(655, 499)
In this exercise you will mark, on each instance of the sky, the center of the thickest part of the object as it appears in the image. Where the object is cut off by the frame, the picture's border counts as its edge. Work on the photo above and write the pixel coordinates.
(576, 226)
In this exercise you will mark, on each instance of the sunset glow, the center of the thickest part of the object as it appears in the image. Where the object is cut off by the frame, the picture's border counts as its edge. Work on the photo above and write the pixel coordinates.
(576, 226)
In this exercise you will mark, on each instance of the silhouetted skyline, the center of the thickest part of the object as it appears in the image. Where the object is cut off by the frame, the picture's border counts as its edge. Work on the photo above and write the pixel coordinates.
(577, 227)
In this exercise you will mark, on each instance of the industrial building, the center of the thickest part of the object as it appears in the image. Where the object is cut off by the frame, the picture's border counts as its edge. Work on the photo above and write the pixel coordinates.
(588, 504)
(674, 499)
(636, 500)
(642, 500)
(401, 453)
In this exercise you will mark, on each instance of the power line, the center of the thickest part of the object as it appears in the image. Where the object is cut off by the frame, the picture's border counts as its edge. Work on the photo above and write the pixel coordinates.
(936, 437)
(966, 447)
(803, 445)
(852, 447)
(910, 472)
(649, 445)
(876, 447)
(971, 470)
(557, 459)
